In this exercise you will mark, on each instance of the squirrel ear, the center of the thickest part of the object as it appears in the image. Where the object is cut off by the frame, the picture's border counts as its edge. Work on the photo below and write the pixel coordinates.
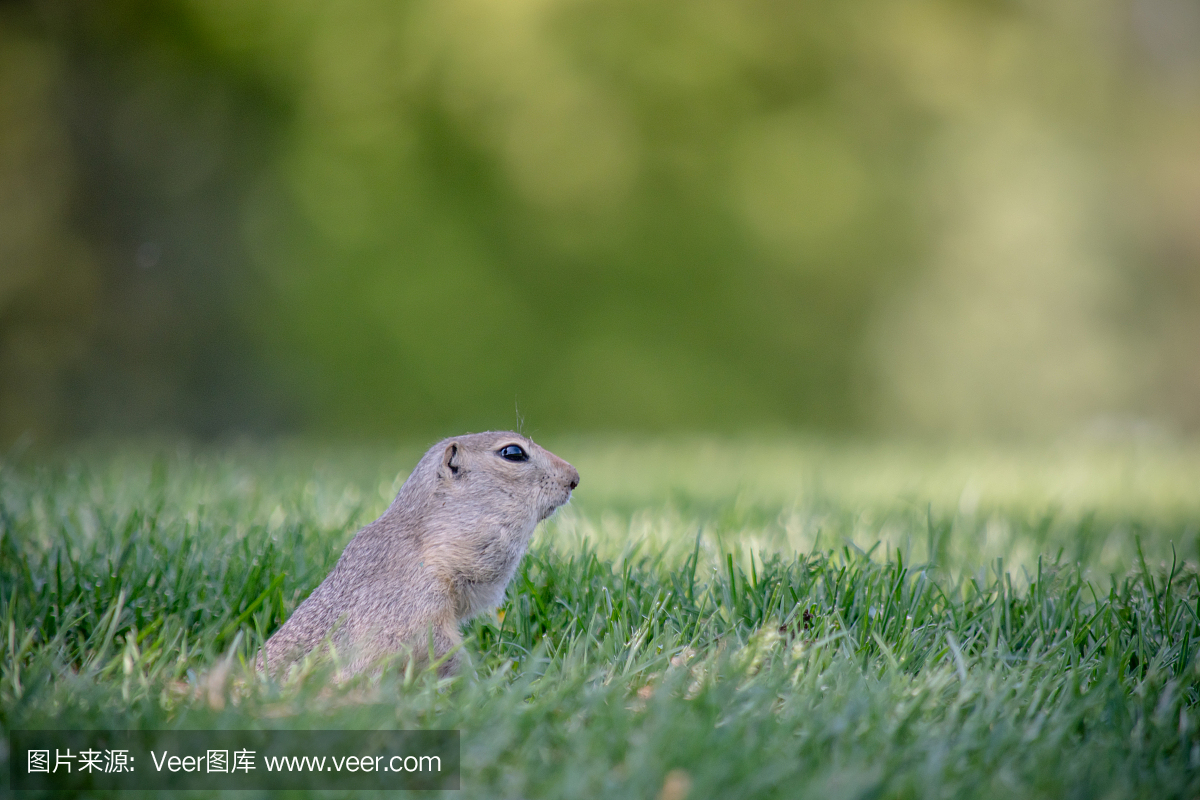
(451, 459)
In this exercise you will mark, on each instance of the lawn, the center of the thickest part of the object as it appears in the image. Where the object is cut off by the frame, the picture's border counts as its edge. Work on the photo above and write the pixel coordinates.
(706, 619)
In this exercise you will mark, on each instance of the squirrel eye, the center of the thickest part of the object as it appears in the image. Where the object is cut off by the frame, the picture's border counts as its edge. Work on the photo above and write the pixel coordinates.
(513, 453)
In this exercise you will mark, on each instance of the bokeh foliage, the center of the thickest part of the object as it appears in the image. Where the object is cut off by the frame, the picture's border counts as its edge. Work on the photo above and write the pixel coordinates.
(373, 217)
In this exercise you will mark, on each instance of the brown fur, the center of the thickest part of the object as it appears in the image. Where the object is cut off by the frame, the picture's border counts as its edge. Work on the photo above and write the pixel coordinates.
(443, 552)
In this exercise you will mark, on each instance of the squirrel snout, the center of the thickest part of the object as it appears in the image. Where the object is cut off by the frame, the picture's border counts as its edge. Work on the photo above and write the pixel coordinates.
(568, 474)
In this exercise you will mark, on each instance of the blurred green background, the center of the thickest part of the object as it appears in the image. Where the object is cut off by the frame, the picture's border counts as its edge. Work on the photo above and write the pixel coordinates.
(973, 218)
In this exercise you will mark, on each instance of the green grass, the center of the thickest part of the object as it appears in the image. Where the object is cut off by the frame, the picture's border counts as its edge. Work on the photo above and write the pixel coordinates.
(743, 619)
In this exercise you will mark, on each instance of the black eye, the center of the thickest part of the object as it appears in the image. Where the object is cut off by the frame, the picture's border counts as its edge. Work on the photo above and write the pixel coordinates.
(513, 453)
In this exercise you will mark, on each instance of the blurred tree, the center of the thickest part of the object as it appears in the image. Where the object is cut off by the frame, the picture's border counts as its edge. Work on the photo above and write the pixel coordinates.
(134, 144)
(47, 278)
(951, 215)
(618, 215)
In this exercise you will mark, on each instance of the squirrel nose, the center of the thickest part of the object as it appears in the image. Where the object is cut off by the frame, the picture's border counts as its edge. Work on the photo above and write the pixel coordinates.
(574, 478)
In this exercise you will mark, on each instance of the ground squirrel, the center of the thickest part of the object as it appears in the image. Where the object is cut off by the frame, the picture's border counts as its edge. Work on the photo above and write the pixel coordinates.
(444, 551)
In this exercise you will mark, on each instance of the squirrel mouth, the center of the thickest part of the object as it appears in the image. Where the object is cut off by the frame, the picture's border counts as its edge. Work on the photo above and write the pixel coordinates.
(549, 510)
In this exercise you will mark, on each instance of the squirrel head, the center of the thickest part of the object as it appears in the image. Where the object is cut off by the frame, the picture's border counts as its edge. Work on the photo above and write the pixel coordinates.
(503, 470)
